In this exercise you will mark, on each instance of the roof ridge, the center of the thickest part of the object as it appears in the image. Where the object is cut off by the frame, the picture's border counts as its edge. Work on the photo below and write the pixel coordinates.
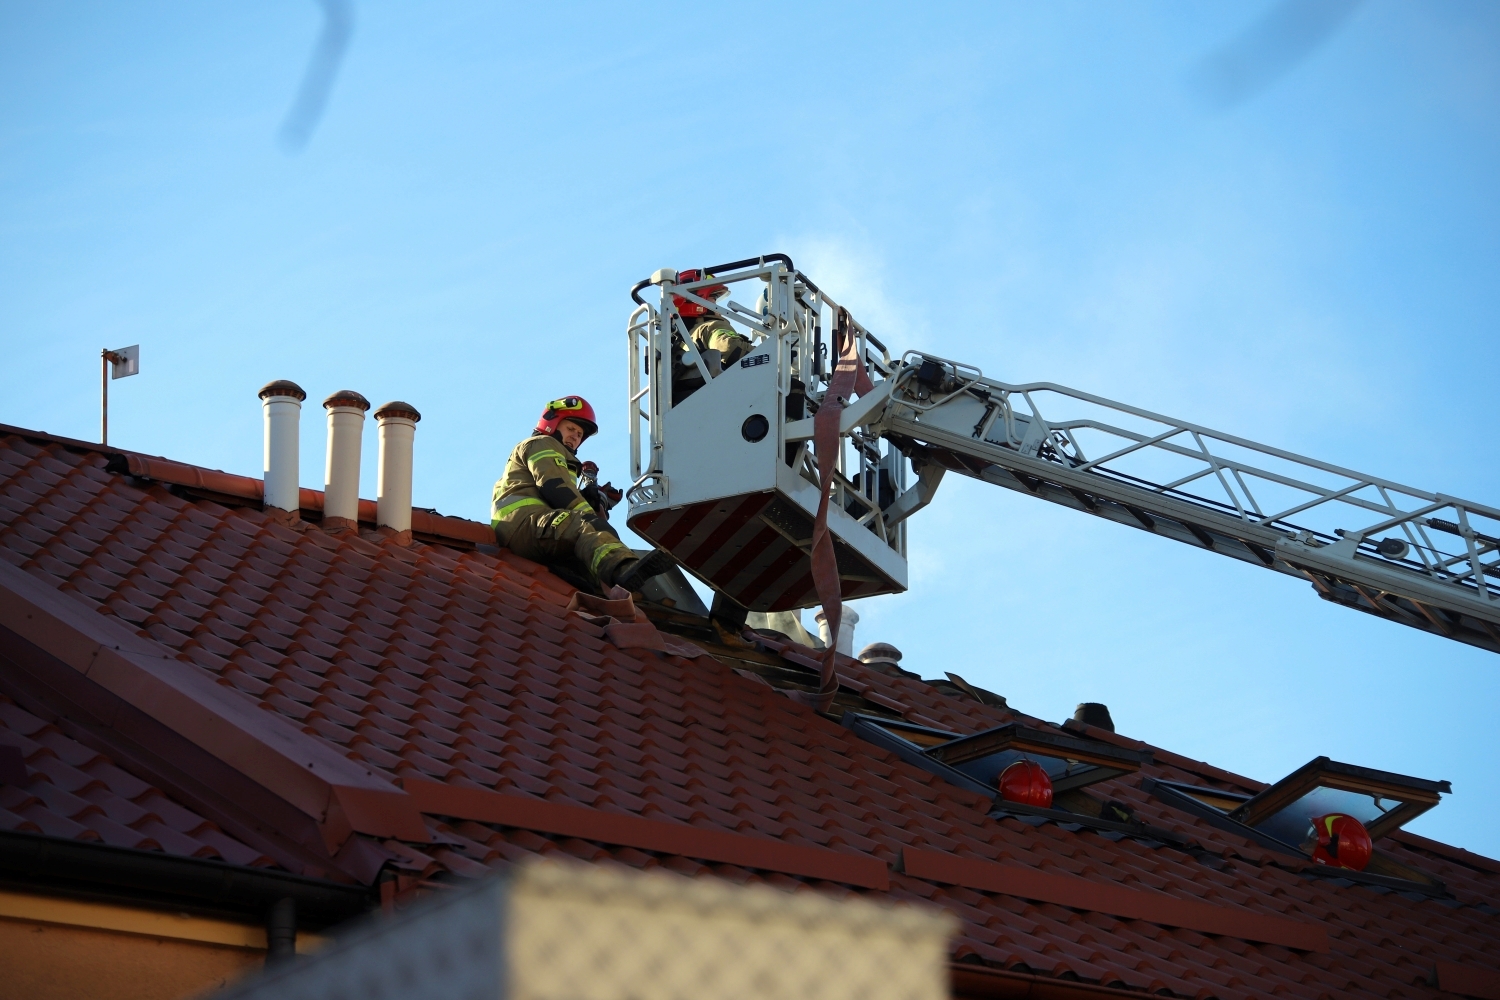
(1462, 855)
(425, 525)
(1201, 768)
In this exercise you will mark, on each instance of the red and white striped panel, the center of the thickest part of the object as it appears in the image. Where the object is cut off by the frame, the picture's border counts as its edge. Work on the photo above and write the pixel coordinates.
(736, 546)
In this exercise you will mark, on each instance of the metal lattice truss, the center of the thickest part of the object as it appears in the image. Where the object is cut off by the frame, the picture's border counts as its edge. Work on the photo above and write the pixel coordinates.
(1420, 558)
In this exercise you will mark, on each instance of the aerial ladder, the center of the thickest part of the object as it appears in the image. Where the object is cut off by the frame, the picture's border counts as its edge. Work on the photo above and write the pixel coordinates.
(725, 477)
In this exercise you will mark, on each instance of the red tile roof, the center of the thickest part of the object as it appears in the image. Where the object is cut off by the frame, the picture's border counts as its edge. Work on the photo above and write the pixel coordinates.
(75, 792)
(436, 708)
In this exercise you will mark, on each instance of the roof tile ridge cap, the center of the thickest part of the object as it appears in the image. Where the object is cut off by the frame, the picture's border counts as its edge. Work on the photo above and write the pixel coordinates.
(432, 523)
(146, 675)
(139, 463)
(95, 446)
(1460, 855)
(1163, 756)
(169, 470)
(1204, 769)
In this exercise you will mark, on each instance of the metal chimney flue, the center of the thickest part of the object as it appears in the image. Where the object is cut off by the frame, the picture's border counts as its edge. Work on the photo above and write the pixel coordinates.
(398, 430)
(1093, 713)
(847, 620)
(282, 403)
(346, 423)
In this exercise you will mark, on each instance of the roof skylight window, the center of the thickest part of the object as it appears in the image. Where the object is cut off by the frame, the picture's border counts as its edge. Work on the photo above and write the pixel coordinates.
(1070, 762)
(1282, 817)
(975, 762)
(1380, 800)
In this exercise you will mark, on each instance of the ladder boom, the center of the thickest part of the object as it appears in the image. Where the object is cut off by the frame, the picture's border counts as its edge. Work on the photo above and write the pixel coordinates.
(1412, 556)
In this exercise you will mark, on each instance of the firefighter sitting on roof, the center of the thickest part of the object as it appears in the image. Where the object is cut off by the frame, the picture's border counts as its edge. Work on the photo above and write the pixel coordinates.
(539, 512)
(720, 344)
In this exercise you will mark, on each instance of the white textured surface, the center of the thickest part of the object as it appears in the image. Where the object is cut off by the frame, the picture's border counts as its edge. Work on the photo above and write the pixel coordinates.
(393, 502)
(341, 472)
(575, 932)
(282, 459)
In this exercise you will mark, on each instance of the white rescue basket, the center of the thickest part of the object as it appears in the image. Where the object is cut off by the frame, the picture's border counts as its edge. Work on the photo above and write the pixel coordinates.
(726, 479)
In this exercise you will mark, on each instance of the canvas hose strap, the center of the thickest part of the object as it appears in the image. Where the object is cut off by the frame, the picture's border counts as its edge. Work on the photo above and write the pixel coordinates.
(849, 378)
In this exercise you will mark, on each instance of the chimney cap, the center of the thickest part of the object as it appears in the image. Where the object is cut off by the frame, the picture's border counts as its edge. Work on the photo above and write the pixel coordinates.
(282, 387)
(1093, 713)
(880, 652)
(347, 397)
(396, 408)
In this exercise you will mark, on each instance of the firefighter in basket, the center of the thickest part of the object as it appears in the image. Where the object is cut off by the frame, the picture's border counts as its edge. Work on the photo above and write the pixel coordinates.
(541, 509)
(720, 344)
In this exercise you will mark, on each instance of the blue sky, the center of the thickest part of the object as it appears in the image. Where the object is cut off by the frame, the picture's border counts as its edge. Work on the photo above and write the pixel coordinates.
(1045, 191)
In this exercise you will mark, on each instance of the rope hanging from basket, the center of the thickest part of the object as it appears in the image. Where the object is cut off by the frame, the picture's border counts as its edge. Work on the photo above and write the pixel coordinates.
(849, 378)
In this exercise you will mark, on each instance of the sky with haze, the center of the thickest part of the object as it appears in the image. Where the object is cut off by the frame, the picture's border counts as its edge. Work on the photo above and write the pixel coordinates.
(1290, 231)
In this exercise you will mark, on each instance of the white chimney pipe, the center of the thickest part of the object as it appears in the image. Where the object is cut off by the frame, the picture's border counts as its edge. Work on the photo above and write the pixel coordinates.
(346, 423)
(398, 428)
(847, 620)
(282, 402)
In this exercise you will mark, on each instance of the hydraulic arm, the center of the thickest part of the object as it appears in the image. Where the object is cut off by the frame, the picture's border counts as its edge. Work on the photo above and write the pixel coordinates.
(732, 500)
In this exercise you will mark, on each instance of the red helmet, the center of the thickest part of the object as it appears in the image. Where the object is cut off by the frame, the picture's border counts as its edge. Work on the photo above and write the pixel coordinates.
(574, 408)
(1025, 782)
(687, 309)
(1342, 842)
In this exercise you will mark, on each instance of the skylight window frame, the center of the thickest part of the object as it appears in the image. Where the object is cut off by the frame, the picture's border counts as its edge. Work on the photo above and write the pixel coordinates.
(1101, 762)
(1398, 875)
(1415, 795)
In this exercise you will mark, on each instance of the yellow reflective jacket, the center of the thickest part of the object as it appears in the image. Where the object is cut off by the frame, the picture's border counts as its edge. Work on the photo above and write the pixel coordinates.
(542, 472)
(715, 334)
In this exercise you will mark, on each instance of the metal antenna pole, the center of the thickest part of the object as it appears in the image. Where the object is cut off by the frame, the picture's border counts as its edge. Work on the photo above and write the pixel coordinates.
(104, 396)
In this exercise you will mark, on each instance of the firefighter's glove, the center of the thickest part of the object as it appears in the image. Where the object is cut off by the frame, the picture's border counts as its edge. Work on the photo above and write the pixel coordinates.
(612, 496)
(595, 497)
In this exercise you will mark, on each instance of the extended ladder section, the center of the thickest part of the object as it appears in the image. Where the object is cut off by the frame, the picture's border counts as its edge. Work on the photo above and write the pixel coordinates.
(1412, 556)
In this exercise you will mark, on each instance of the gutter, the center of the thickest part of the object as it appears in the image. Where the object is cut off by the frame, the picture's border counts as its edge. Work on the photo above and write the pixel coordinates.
(121, 874)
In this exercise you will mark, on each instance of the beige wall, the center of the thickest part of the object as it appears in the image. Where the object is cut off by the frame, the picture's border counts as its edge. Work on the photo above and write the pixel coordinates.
(40, 961)
(54, 948)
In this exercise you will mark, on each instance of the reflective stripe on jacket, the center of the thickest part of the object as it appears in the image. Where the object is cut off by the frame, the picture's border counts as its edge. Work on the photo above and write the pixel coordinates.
(714, 334)
(541, 471)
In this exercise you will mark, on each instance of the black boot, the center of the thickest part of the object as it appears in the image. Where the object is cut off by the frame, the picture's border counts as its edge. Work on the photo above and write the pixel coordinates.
(633, 573)
(728, 619)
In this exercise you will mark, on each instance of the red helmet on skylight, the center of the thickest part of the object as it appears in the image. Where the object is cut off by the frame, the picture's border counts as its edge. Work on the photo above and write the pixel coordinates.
(1342, 842)
(574, 408)
(688, 309)
(1026, 783)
